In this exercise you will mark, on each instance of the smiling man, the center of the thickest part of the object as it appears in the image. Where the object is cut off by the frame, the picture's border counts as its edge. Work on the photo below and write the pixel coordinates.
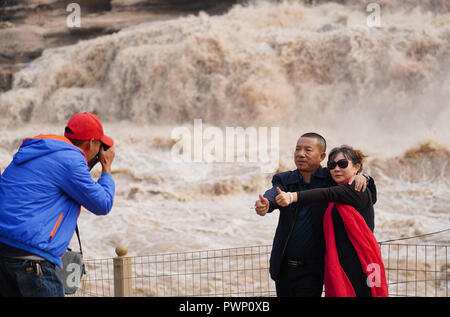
(297, 259)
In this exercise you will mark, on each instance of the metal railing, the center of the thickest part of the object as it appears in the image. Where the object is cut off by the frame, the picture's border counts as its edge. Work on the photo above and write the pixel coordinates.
(417, 269)
(411, 270)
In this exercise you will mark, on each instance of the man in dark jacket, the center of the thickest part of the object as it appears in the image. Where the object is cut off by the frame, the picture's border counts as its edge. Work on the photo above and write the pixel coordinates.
(297, 259)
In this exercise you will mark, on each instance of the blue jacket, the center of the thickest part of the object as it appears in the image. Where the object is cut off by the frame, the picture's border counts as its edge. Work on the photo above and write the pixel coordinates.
(41, 194)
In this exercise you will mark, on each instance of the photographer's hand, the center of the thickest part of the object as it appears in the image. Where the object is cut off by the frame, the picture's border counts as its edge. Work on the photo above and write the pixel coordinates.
(106, 158)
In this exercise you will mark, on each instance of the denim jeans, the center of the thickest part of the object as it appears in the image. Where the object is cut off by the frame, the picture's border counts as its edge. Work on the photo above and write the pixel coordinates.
(28, 278)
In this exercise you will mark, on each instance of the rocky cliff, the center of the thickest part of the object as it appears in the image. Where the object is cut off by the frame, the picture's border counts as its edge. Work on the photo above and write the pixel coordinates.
(27, 27)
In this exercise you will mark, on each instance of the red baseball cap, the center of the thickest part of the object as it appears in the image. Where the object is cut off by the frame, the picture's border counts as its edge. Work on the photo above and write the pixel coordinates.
(85, 126)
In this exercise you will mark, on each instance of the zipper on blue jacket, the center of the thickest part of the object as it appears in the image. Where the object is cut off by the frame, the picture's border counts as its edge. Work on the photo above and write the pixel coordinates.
(55, 228)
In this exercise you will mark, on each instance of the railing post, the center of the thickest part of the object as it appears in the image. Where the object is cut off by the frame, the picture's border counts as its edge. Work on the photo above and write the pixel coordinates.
(122, 273)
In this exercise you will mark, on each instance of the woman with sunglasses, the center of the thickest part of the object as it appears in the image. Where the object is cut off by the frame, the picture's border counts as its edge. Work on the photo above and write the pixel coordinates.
(353, 264)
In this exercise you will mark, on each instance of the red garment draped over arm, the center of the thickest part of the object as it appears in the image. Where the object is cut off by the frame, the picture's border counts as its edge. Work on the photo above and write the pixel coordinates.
(336, 281)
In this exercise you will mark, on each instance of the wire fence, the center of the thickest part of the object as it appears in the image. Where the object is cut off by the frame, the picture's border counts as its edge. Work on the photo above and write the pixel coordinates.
(417, 270)
(411, 270)
(225, 272)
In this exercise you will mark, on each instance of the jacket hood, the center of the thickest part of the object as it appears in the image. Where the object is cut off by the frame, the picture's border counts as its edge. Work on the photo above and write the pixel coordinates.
(42, 145)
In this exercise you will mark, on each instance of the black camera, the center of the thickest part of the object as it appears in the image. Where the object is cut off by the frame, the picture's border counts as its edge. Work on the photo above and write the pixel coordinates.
(95, 160)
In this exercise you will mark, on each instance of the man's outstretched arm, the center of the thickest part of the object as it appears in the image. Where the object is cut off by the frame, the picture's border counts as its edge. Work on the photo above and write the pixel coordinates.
(267, 202)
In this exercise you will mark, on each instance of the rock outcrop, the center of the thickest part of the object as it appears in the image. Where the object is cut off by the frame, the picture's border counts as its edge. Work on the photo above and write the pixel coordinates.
(27, 27)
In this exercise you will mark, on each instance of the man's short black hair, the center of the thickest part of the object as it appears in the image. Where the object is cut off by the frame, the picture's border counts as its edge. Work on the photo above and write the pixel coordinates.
(74, 142)
(320, 139)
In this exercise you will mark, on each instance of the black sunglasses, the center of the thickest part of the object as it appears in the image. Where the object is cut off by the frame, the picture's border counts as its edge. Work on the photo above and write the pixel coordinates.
(341, 163)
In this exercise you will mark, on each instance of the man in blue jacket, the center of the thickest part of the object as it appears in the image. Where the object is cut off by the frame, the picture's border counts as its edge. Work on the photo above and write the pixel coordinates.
(41, 194)
(297, 259)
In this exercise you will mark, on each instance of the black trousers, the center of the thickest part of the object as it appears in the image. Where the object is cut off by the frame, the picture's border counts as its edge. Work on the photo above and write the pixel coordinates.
(303, 281)
(353, 270)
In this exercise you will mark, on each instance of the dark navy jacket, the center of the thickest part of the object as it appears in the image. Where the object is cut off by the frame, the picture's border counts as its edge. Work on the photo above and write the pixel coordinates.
(310, 216)
(292, 181)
